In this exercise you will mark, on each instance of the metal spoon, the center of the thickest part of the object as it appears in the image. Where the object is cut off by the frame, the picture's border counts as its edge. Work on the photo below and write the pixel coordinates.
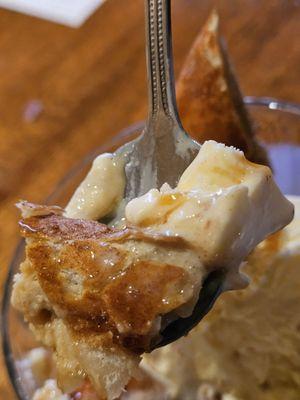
(164, 150)
(210, 291)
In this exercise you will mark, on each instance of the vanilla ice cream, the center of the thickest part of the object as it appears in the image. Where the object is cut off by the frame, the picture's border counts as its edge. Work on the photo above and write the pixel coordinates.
(249, 343)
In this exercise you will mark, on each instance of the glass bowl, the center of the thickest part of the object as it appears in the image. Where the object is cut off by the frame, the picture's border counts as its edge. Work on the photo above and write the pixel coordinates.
(272, 117)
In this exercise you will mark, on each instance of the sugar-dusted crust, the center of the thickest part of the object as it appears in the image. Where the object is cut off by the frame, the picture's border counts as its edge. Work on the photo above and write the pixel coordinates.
(86, 271)
(95, 294)
(209, 100)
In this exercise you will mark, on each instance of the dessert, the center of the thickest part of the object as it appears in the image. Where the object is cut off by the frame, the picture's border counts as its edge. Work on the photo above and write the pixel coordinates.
(248, 345)
(99, 296)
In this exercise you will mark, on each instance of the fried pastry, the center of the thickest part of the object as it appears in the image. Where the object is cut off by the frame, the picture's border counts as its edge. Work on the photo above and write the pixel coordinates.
(209, 99)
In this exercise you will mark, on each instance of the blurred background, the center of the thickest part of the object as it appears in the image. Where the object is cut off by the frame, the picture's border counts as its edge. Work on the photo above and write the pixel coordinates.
(67, 86)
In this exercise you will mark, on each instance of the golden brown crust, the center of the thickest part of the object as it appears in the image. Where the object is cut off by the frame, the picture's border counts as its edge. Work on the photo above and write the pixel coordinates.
(95, 282)
(209, 99)
(57, 227)
(145, 290)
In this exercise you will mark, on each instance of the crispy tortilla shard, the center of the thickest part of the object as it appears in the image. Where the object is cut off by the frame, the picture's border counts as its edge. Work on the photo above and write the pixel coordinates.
(70, 258)
(209, 99)
(89, 297)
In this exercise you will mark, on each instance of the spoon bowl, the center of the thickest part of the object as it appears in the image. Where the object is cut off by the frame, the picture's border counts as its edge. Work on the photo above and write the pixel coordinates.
(164, 150)
(210, 291)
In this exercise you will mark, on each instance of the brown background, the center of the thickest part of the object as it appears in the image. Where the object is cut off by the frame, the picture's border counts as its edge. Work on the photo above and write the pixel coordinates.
(90, 83)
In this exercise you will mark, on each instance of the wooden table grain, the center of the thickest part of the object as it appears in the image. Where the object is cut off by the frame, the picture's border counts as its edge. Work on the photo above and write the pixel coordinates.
(65, 91)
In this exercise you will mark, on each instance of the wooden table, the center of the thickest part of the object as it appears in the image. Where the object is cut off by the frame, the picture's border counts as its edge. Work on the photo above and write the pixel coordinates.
(64, 91)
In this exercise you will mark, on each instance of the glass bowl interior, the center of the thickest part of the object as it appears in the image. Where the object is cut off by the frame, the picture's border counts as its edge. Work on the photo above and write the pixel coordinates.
(278, 127)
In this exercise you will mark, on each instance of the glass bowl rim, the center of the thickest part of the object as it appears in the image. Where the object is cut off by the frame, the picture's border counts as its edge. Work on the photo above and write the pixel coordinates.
(15, 381)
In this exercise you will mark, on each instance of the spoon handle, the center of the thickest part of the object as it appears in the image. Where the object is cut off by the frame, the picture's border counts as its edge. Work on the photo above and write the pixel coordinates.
(162, 100)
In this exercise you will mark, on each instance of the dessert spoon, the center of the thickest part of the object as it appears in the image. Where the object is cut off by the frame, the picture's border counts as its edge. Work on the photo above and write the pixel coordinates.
(164, 150)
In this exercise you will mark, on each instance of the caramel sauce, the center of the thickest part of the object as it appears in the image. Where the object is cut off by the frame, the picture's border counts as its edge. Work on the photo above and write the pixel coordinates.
(227, 176)
(171, 201)
(146, 290)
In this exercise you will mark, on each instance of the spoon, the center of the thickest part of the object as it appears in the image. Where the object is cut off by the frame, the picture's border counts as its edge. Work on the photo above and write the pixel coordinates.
(164, 150)
(210, 291)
